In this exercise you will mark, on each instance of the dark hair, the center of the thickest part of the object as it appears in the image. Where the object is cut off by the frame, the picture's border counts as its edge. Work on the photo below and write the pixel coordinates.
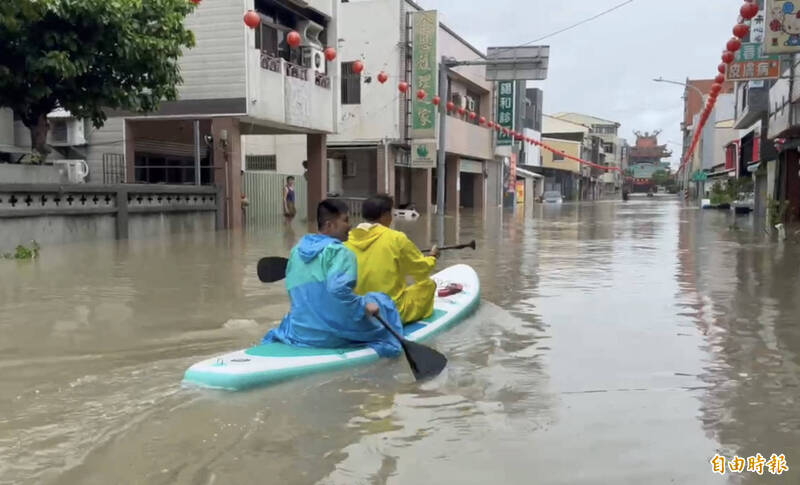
(376, 206)
(289, 178)
(328, 210)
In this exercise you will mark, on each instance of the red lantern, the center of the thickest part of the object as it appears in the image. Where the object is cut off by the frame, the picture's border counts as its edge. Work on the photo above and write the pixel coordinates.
(490, 125)
(252, 19)
(450, 106)
(734, 44)
(421, 94)
(749, 10)
(402, 86)
(293, 39)
(436, 100)
(719, 79)
(472, 115)
(716, 87)
(461, 111)
(505, 131)
(482, 120)
(196, 2)
(741, 30)
(496, 127)
(722, 68)
(727, 57)
(330, 54)
(358, 66)
(382, 77)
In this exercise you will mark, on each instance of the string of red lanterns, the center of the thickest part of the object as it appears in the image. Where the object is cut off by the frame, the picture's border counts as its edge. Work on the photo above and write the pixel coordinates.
(740, 31)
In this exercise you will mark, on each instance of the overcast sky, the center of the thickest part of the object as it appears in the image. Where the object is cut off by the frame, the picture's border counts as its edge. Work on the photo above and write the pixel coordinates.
(605, 68)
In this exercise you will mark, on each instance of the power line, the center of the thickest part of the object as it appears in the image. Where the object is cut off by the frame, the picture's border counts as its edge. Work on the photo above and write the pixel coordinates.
(585, 21)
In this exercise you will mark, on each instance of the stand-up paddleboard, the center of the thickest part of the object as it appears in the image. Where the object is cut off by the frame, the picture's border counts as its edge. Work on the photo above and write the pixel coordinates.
(268, 363)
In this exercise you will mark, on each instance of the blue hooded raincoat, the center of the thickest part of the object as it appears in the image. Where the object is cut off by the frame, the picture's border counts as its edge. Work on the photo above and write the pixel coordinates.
(324, 311)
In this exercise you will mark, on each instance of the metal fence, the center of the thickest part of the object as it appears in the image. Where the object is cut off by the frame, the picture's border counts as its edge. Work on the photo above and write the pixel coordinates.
(264, 192)
(113, 168)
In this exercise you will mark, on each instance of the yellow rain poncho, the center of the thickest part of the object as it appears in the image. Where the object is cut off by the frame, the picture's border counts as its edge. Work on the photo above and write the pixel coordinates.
(385, 258)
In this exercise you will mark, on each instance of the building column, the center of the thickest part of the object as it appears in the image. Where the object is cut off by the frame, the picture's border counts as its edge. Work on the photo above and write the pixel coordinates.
(452, 186)
(228, 168)
(130, 151)
(479, 192)
(421, 189)
(385, 172)
(317, 173)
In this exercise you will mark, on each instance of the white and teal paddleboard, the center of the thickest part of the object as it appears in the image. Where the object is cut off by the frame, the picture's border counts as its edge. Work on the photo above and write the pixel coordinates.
(268, 363)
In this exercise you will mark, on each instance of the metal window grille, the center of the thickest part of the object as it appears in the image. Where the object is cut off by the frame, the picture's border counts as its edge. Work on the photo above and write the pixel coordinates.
(351, 85)
(261, 163)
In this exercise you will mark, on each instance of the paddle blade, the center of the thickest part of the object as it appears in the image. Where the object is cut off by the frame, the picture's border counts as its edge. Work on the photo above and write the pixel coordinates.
(272, 269)
(472, 245)
(425, 362)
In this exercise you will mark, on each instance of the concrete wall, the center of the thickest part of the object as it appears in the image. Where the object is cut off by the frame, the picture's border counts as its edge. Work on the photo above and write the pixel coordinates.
(56, 230)
(568, 147)
(108, 139)
(325, 7)
(289, 151)
(53, 230)
(59, 214)
(468, 140)
(6, 126)
(215, 67)
(364, 183)
(30, 174)
(371, 31)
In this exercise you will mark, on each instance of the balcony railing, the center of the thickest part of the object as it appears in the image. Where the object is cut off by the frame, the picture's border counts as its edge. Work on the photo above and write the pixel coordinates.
(272, 63)
(296, 71)
(322, 80)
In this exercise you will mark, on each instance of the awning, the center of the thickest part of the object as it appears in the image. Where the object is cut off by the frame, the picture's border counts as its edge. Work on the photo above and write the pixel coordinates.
(527, 174)
(470, 166)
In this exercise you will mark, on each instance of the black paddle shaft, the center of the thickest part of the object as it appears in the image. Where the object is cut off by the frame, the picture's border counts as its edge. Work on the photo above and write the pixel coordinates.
(470, 245)
(425, 362)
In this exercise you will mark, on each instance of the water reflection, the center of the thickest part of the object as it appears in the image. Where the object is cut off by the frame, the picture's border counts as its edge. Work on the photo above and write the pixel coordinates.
(616, 343)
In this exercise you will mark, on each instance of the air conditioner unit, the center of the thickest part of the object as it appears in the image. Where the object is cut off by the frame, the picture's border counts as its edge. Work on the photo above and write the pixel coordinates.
(470, 104)
(309, 33)
(75, 171)
(66, 132)
(314, 59)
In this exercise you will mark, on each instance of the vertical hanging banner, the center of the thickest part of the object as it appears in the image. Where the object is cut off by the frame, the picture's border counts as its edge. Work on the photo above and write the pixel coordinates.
(424, 76)
(511, 183)
(505, 111)
(782, 33)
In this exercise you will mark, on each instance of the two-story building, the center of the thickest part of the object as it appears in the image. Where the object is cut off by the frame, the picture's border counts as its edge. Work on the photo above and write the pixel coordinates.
(784, 135)
(238, 81)
(573, 180)
(607, 133)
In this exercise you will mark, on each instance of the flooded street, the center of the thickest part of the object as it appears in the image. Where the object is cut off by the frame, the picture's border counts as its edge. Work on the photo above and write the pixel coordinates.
(623, 343)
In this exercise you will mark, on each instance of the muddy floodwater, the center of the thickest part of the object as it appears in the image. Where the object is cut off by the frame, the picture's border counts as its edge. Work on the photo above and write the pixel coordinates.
(616, 343)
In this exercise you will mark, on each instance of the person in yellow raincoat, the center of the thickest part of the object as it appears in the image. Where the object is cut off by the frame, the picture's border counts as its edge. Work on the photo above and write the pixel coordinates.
(387, 257)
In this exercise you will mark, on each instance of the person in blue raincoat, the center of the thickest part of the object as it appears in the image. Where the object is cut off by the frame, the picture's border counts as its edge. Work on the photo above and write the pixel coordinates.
(324, 311)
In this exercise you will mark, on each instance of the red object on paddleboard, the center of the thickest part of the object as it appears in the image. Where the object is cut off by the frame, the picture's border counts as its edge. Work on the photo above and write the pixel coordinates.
(451, 289)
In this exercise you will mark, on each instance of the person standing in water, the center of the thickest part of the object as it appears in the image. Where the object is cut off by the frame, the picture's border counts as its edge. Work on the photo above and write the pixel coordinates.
(288, 198)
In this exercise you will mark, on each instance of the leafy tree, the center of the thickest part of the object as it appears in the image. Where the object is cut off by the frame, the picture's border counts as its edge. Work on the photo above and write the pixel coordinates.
(88, 56)
(661, 177)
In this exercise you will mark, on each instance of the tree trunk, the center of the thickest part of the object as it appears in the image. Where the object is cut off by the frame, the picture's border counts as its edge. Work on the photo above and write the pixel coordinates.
(39, 138)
